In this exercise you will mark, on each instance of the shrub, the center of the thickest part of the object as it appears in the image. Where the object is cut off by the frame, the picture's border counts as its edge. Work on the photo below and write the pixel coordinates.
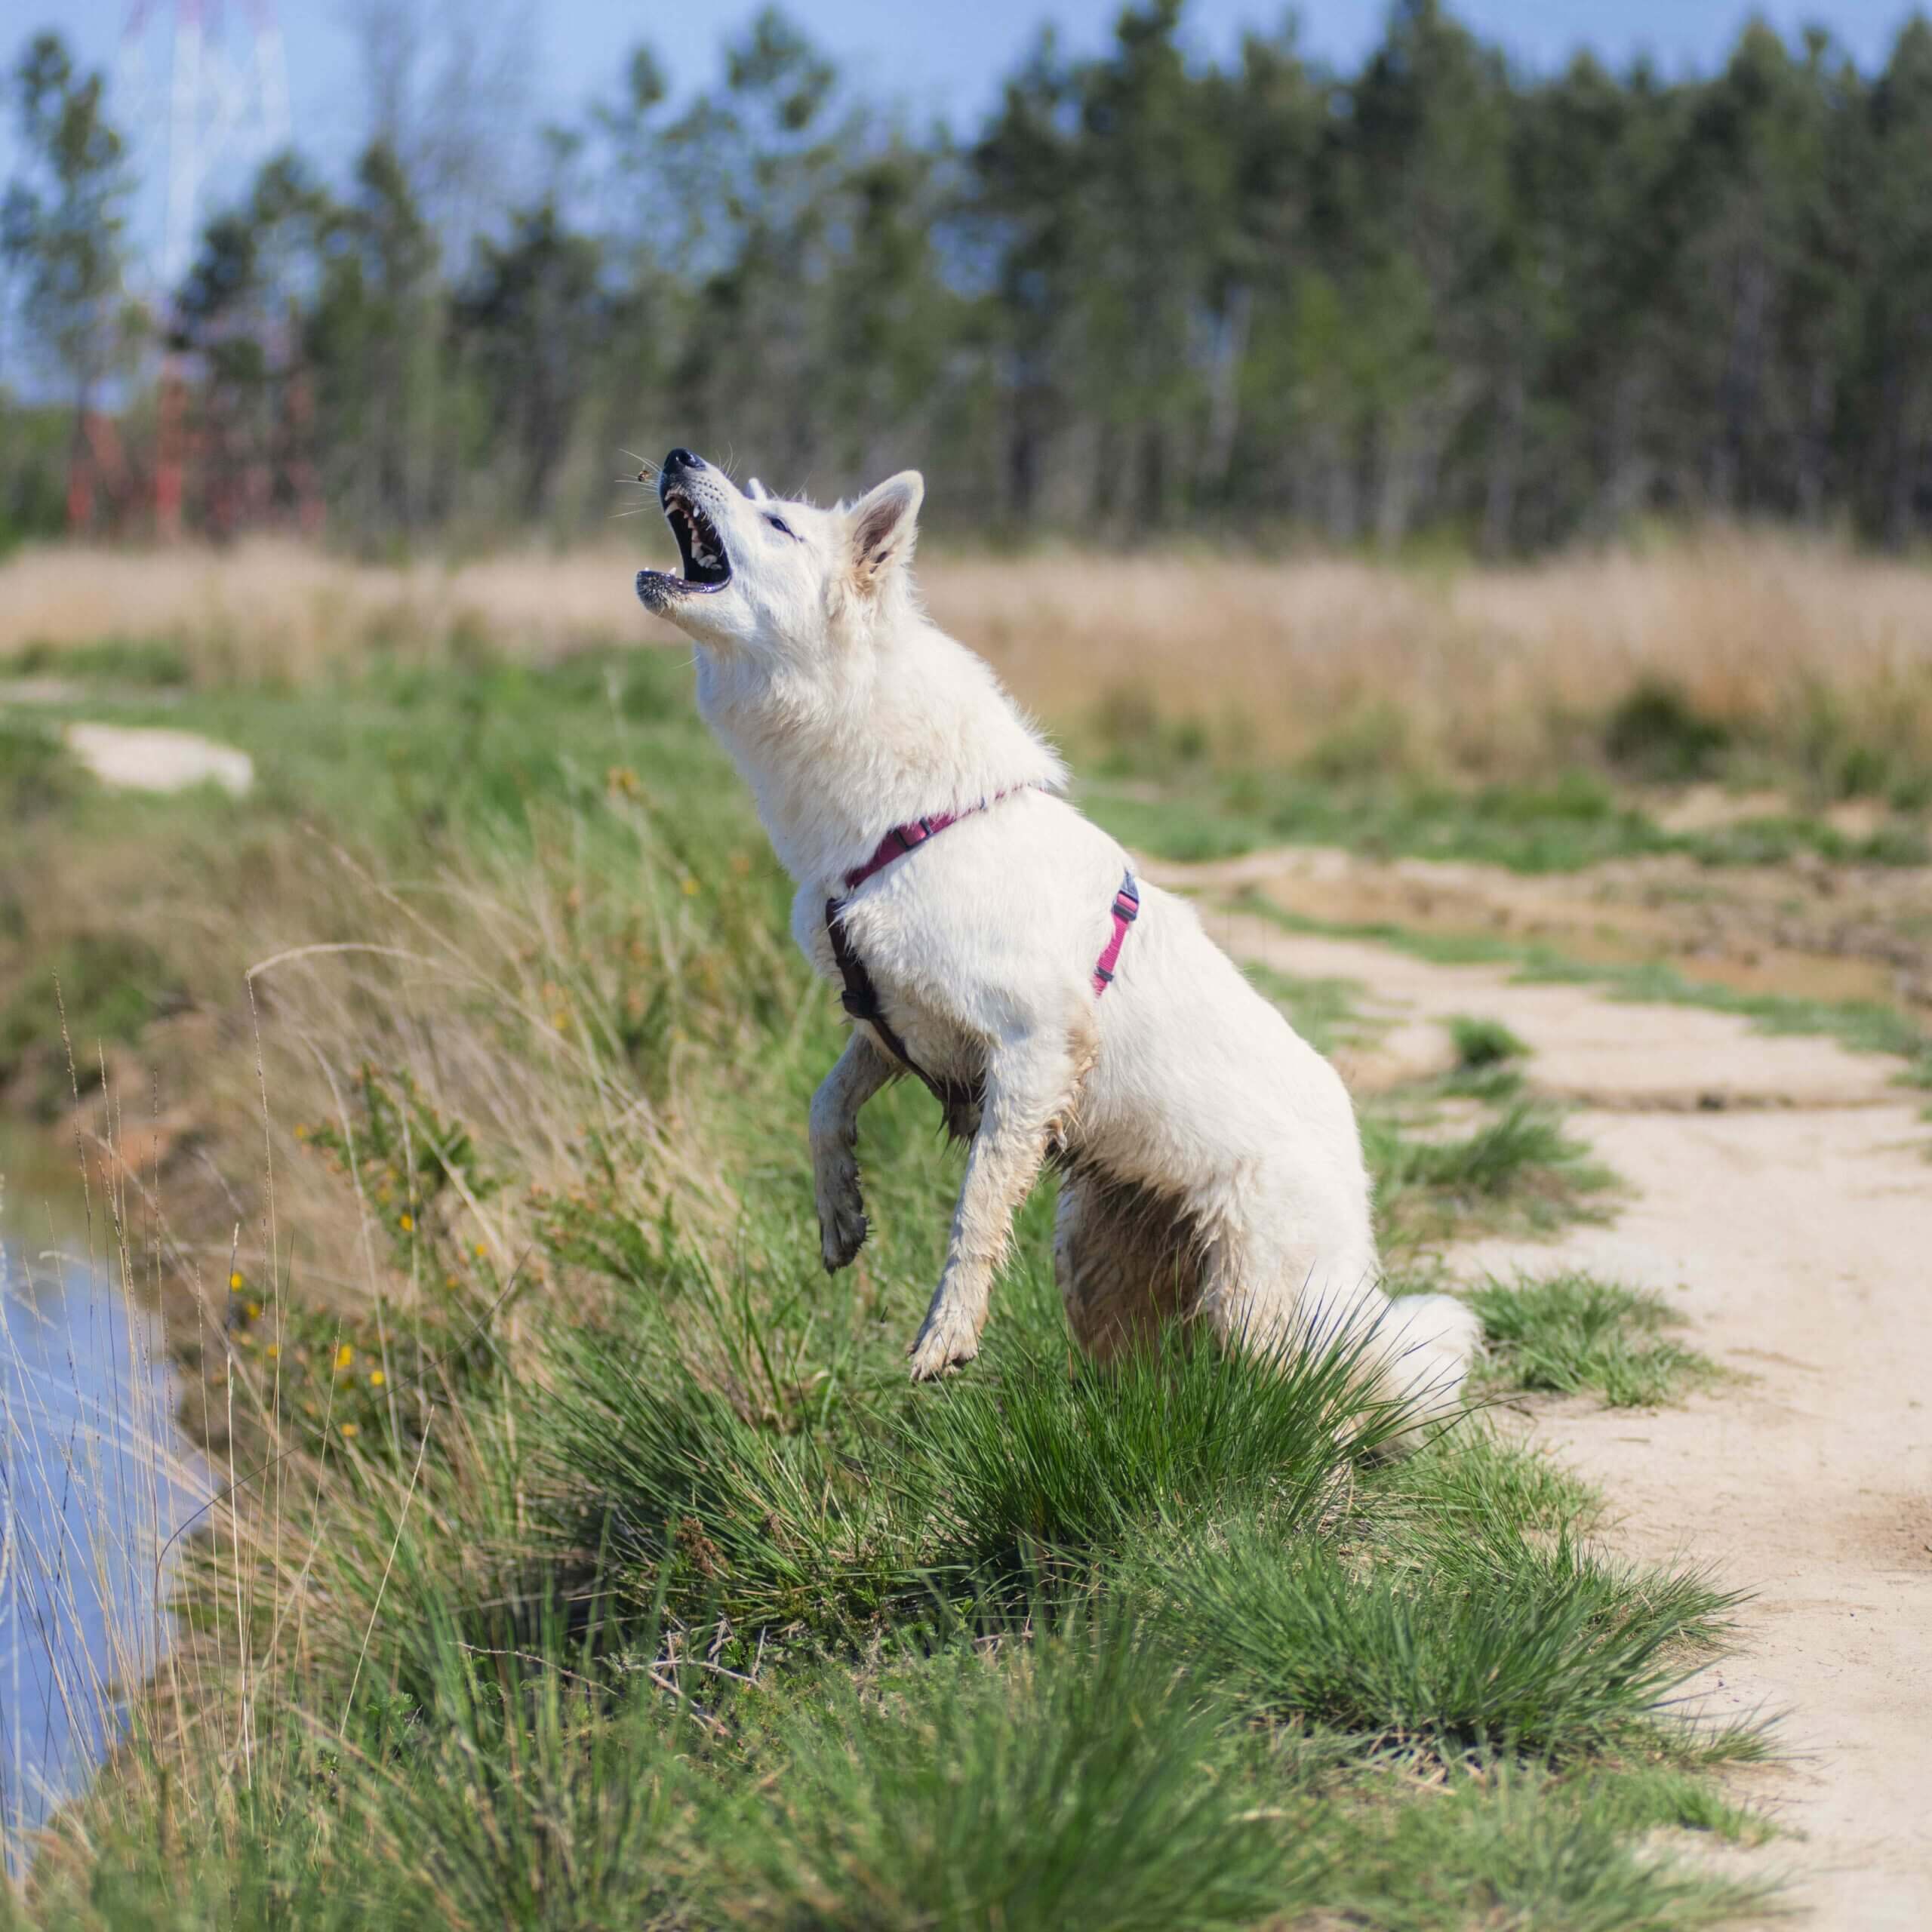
(1657, 732)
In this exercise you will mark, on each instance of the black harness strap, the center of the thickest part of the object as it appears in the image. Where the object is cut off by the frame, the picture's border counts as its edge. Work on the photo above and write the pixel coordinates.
(861, 999)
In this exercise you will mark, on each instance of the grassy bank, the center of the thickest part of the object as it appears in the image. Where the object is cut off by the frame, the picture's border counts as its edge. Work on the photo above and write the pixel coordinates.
(582, 1557)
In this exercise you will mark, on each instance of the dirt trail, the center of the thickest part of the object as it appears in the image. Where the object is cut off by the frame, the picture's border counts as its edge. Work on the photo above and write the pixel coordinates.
(1780, 1194)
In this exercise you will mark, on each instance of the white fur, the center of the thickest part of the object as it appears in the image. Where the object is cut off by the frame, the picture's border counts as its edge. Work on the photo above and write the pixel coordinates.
(1213, 1163)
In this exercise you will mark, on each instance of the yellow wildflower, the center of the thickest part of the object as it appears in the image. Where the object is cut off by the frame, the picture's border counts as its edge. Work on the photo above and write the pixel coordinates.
(376, 1378)
(274, 1350)
(254, 1308)
(349, 1431)
(407, 1223)
(235, 1285)
(691, 888)
(344, 1356)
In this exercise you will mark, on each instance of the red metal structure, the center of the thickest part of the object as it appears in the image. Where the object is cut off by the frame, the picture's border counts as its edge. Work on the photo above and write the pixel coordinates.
(216, 99)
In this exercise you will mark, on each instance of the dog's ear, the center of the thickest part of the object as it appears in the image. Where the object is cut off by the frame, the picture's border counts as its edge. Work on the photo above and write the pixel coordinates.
(756, 490)
(884, 523)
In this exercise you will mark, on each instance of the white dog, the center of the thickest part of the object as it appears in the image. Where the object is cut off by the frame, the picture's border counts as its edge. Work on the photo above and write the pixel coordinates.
(986, 936)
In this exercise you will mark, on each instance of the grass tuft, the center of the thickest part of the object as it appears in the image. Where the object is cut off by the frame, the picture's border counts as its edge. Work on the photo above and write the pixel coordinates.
(1049, 1454)
(1481, 1044)
(1517, 1848)
(1571, 1333)
(1077, 1780)
(1501, 1644)
(1516, 1169)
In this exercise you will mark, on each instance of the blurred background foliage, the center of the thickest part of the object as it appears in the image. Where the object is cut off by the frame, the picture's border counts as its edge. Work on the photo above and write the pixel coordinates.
(1436, 298)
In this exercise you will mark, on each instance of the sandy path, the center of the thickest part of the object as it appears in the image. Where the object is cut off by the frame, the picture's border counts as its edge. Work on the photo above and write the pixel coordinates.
(1780, 1194)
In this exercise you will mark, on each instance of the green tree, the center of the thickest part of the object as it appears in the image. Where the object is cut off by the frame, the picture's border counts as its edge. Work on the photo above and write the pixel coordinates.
(529, 321)
(62, 223)
(375, 336)
(1897, 424)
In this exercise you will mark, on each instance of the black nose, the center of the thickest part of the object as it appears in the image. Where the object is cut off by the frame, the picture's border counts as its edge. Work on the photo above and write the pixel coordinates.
(681, 460)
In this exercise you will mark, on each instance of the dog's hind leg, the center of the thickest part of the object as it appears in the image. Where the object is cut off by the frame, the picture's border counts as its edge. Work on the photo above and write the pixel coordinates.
(859, 1072)
(1268, 1286)
(1124, 1261)
(1030, 1084)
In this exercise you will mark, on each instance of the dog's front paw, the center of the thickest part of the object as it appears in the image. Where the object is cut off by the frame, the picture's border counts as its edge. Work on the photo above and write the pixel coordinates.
(945, 1344)
(842, 1225)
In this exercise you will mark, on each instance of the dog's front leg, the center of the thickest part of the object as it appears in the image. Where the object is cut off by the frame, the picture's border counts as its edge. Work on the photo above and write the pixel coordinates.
(859, 1072)
(1028, 1087)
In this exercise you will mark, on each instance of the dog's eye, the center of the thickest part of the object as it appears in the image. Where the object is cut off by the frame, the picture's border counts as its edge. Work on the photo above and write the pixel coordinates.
(778, 524)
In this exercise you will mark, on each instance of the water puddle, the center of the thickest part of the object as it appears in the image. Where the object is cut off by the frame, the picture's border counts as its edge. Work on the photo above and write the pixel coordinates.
(94, 1480)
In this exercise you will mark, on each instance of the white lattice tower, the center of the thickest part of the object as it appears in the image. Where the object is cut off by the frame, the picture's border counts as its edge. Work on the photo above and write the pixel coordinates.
(210, 79)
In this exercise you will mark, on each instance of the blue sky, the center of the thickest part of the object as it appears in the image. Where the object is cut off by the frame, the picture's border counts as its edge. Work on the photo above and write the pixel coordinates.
(950, 56)
(947, 56)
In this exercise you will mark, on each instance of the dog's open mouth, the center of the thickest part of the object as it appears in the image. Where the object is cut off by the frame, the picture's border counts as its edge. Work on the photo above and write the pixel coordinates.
(707, 566)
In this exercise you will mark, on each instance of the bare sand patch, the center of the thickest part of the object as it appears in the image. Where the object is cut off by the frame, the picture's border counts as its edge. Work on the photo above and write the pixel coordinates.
(145, 759)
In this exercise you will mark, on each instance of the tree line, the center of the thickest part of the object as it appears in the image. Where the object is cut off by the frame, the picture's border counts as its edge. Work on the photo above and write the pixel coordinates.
(1145, 294)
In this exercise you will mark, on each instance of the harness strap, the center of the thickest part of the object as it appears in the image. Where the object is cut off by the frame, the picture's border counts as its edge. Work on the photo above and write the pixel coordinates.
(1126, 910)
(860, 998)
(902, 838)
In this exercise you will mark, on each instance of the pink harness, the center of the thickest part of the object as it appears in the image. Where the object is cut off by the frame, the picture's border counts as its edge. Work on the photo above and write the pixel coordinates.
(860, 998)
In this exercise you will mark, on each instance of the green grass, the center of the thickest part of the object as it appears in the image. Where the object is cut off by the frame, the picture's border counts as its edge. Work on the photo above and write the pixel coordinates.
(1496, 1644)
(1206, 812)
(1520, 1850)
(1516, 1171)
(36, 775)
(1571, 1333)
(157, 663)
(1076, 1779)
(97, 988)
(646, 1591)
(1482, 1044)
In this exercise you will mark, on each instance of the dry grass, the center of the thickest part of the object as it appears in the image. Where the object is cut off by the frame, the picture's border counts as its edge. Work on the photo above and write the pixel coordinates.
(1477, 669)
(271, 608)
(1478, 666)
